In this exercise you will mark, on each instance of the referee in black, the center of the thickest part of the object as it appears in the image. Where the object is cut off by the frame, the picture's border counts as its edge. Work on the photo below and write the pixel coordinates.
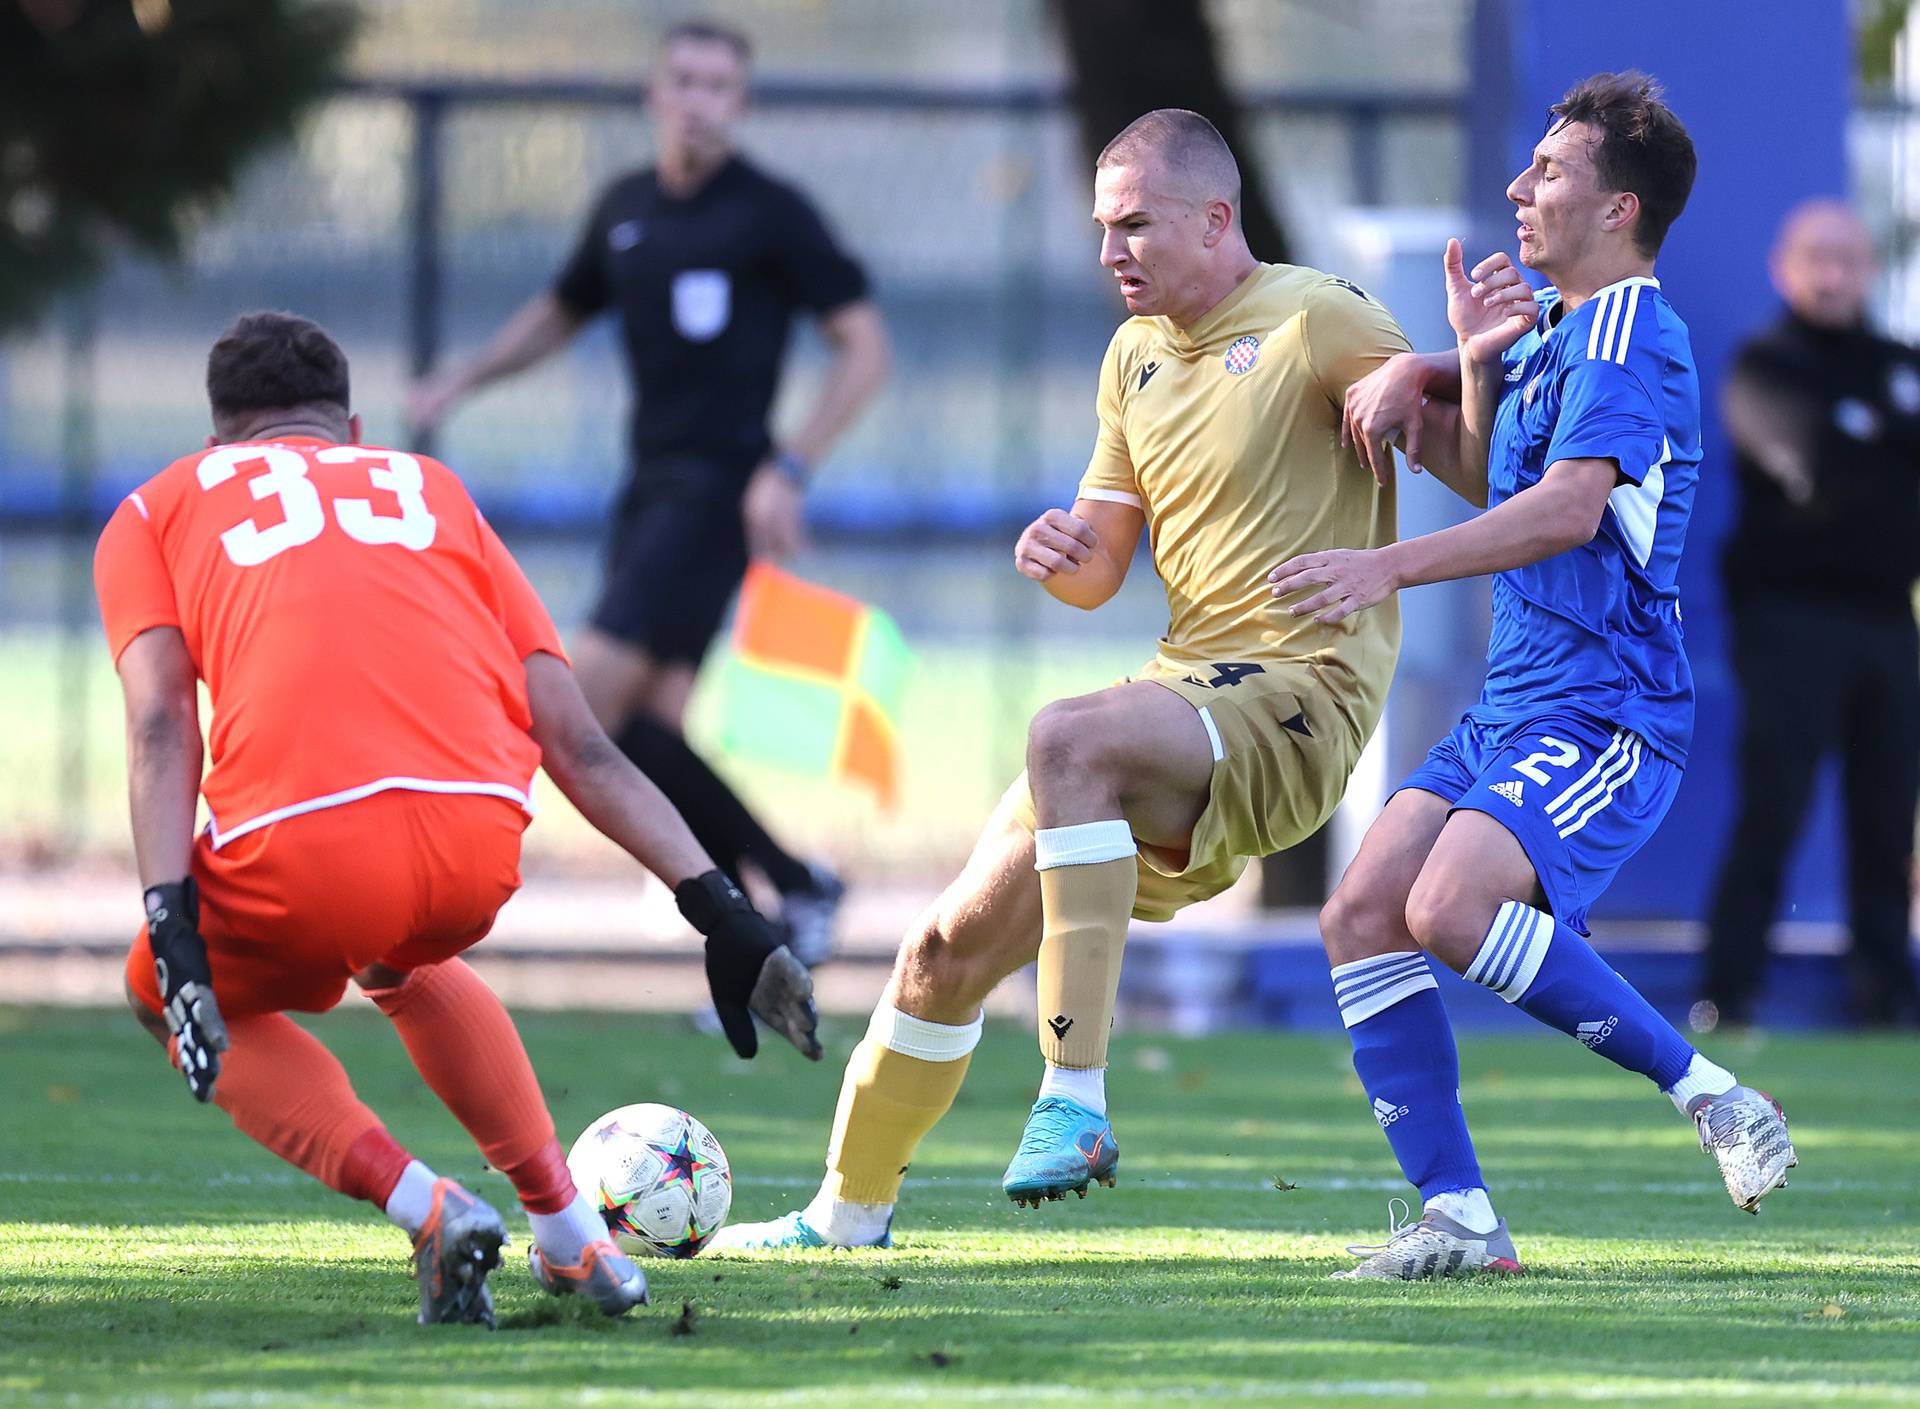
(1824, 415)
(706, 259)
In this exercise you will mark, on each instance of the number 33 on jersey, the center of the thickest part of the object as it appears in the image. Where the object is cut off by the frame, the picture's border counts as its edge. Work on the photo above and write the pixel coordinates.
(359, 626)
(284, 480)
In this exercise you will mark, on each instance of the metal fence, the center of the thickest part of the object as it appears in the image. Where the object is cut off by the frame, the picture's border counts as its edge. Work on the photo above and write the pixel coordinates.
(410, 218)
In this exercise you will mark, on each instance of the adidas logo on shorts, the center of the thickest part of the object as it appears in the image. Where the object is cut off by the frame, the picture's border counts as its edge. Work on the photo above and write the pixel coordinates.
(1592, 1034)
(1510, 790)
(1386, 1112)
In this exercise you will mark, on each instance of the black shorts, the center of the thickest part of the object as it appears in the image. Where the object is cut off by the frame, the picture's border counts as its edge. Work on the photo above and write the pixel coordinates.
(676, 553)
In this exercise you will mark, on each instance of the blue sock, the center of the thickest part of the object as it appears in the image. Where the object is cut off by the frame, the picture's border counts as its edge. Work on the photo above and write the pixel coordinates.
(1403, 1051)
(1554, 975)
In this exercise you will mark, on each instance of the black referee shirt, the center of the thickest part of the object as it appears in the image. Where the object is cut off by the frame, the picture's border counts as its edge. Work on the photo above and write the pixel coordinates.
(706, 288)
(1847, 403)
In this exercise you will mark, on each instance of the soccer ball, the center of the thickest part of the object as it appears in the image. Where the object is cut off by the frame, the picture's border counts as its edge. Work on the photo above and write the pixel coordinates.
(657, 1176)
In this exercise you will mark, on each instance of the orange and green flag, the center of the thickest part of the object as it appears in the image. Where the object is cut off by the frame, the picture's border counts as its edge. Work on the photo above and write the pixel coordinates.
(815, 683)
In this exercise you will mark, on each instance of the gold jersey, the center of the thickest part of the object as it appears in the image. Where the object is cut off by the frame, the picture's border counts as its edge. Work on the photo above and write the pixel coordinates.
(1227, 436)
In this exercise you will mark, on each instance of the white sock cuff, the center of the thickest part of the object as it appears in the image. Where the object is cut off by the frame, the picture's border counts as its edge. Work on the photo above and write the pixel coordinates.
(411, 1201)
(1702, 1078)
(1082, 844)
(1085, 1085)
(916, 1037)
(1366, 987)
(1515, 948)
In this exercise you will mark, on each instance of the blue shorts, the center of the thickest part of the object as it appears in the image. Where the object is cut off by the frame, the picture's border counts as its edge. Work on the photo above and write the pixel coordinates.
(1579, 796)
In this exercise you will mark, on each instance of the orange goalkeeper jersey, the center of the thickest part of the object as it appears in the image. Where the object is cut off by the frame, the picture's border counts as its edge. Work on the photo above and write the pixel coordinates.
(358, 624)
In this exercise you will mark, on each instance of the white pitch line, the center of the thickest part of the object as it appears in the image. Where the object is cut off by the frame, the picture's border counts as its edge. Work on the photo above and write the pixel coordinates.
(1249, 1185)
(1640, 1389)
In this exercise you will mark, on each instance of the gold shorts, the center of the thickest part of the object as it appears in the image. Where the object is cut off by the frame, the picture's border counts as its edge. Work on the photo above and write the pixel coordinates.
(1281, 759)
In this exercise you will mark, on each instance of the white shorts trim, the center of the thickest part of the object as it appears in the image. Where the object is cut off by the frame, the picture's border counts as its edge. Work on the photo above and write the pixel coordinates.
(379, 785)
(1214, 741)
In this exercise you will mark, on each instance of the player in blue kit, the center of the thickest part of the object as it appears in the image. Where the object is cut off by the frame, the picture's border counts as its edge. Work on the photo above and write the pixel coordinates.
(1574, 417)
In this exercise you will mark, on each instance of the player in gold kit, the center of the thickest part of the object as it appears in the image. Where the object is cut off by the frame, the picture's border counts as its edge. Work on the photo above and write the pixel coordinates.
(1220, 410)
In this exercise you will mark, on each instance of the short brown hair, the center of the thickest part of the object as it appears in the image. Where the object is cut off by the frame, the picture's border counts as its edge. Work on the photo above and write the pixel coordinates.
(710, 32)
(274, 362)
(1190, 146)
(1643, 147)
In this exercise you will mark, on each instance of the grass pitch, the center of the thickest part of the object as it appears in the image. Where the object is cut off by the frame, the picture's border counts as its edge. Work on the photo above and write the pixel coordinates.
(150, 1256)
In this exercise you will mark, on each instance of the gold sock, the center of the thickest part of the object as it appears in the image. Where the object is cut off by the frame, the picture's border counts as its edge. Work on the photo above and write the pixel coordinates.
(888, 1103)
(1084, 935)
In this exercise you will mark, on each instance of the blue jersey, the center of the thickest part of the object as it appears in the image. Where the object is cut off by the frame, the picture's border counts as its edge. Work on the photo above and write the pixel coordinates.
(1596, 630)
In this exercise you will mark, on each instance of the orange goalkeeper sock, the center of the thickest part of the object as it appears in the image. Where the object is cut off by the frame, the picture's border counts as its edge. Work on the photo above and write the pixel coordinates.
(465, 1046)
(285, 1091)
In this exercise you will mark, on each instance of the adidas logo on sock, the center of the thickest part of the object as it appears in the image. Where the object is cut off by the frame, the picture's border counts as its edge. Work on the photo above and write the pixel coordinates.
(1386, 1112)
(1592, 1034)
(1510, 790)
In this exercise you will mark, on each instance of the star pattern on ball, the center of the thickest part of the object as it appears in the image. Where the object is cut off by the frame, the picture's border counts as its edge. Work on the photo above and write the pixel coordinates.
(682, 1164)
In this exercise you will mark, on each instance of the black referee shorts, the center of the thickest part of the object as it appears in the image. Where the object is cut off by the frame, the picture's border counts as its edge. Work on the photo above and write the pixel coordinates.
(675, 555)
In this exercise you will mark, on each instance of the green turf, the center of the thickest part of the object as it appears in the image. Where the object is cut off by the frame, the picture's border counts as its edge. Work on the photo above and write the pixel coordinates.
(150, 1256)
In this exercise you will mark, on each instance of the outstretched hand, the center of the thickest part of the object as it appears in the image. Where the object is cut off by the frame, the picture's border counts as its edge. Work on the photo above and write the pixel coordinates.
(1350, 580)
(749, 971)
(1491, 308)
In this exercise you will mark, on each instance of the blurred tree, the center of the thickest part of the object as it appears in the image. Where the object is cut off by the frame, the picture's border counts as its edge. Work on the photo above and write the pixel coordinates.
(1877, 24)
(121, 120)
(1131, 56)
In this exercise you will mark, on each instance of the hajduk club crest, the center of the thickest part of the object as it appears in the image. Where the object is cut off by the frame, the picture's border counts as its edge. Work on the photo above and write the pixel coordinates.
(1242, 353)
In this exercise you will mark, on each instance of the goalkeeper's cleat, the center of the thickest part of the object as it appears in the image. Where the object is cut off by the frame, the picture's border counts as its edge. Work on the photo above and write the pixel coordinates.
(1432, 1248)
(453, 1252)
(1064, 1148)
(811, 914)
(789, 1233)
(1746, 1133)
(604, 1274)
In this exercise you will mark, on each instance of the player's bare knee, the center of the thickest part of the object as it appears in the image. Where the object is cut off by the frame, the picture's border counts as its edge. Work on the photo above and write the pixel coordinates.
(1354, 924)
(937, 972)
(1446, 919)
(1063, 742)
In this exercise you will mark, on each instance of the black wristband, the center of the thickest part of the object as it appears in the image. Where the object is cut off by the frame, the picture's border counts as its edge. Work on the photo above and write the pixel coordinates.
(705, 899)
(172, 905)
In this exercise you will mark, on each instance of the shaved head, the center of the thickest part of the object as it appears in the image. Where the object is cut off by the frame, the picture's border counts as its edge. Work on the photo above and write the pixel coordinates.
(1819, 220)
(1192, 157)
(1823, 263)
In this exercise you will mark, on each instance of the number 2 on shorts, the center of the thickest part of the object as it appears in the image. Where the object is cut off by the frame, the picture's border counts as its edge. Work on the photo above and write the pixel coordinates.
(1558, 753)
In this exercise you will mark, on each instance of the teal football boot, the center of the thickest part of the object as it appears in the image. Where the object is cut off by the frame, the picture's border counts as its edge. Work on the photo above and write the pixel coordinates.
(790, 1233)
(1065, 1148)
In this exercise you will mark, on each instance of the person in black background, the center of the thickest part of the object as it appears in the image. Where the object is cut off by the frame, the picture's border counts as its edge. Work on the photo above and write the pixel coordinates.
(705, 259)
(1824, 415)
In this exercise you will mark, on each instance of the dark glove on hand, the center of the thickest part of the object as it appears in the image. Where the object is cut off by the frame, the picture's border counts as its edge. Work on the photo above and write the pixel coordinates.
(749, 971)
(186, 983)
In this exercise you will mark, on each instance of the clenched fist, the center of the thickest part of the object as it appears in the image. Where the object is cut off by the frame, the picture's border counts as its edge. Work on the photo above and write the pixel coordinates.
(1056, 542)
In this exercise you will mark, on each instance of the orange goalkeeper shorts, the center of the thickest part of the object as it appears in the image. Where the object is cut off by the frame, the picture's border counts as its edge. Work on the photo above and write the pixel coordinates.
(292, 911)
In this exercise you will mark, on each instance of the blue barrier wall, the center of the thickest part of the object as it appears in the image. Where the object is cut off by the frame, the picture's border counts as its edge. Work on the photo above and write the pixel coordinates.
(1764, 86)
